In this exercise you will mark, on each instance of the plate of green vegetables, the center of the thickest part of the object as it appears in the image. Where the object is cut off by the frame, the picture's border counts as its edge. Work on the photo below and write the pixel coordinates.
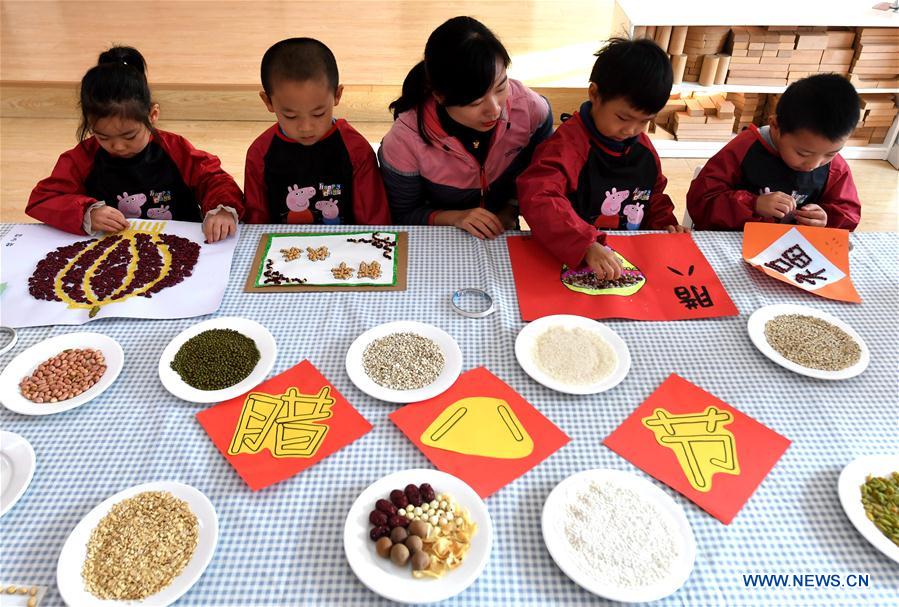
(869, 493)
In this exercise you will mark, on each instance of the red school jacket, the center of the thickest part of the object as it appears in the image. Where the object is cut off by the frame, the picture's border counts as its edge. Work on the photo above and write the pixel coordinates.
(723, 195)
(576, 187)
(168, 179)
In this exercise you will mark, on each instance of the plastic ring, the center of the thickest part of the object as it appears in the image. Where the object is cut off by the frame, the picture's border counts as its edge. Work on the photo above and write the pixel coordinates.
(456, 301)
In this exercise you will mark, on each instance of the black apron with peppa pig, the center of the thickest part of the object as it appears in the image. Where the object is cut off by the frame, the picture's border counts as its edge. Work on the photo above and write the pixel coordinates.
(613, 189)
(309, 184)
(147, 186)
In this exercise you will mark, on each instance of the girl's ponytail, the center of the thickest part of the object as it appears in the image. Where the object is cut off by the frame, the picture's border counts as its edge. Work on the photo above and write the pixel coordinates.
(416, 91)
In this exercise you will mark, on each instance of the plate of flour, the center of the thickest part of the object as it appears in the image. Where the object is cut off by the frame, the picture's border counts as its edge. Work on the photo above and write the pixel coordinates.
(572, 354)
(618, 536)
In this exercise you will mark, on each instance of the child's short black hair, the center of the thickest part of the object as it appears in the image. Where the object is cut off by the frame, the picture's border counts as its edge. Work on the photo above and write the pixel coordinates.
(824, 104)
(298, 59)
(115, 87)
(637, 70)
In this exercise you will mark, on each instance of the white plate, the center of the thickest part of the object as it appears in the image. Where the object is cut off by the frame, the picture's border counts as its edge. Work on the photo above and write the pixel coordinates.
(452, 356)
(560, 550)
(17, 465)
(74, 551)
(524, 347)
(25, 363)
(380, 575)
(756, 329)
(852, 478)
(250, 328)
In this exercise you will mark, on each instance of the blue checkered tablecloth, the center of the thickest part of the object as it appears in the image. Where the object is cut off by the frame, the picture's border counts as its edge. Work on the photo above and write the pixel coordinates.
(284, 545)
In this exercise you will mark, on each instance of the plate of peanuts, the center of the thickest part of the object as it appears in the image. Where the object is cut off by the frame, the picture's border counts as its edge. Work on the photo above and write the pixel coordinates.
(60, 373)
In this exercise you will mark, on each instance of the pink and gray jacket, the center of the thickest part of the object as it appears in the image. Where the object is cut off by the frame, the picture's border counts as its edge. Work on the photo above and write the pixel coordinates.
(422, 179)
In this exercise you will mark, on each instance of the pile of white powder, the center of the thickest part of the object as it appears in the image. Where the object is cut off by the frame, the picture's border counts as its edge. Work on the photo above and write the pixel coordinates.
(618, 537)
(574, 356)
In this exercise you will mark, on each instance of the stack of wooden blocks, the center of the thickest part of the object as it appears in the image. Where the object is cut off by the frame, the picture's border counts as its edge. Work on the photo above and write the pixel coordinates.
(749, 108)
(760, 56)
(875, 63)
(704, 118)
(877, 114)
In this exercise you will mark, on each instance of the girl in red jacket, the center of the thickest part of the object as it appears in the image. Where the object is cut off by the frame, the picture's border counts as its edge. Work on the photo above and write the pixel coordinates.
(129, 169)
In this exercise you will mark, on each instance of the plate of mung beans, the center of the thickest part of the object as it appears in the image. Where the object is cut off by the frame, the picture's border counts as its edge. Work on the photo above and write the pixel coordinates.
(60, 373)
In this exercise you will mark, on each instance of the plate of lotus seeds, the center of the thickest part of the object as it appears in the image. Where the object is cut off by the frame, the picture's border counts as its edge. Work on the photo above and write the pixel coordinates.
(808, 341)
(418, 536)
(60, 373)
(217, 359)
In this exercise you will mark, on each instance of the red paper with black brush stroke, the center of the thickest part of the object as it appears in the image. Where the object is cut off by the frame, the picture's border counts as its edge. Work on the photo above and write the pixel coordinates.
(679, 282)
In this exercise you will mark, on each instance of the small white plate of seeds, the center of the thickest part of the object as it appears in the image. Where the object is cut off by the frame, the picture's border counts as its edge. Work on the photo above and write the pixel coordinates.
(165, 530)
(808, 341)
(572, 354)
(26, 365)
(404, 361)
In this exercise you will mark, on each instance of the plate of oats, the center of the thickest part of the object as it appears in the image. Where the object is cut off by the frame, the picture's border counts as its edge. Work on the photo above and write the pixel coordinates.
(808, 341)
(404, 361)
(146, 545)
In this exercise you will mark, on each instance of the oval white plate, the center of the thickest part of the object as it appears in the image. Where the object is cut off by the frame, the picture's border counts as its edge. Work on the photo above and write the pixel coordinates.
(452, 367)
(756, 328)
(250, 328)
(380, 575)
(560, 550)
(74, 551)
(17, 465)
(25, 363)
(524, 347)
(852, 478)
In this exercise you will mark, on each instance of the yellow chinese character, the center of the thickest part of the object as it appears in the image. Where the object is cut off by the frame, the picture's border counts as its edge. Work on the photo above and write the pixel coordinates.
(293, 417)
(701, 443)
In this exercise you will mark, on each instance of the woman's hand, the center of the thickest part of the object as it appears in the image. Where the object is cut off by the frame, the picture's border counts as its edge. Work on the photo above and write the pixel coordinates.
(478, 222)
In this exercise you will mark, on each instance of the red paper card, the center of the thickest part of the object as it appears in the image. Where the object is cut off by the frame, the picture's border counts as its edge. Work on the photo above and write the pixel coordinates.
(673, 281)
(813, 259)
(699, 445)
(481, 431)
(283, 426)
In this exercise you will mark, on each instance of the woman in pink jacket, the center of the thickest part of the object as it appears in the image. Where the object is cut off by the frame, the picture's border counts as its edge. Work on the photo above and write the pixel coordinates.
(463, 132)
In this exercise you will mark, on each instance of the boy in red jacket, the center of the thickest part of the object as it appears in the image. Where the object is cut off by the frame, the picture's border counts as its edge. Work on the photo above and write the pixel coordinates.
(308, 167)
(599, 170)
(788, 171)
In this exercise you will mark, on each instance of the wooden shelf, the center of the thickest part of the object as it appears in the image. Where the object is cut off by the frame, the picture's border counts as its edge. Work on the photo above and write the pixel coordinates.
(693, 87)
(629, 14)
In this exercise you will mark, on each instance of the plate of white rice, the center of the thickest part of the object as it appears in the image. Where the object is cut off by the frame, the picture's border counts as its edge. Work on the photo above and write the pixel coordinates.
(572, 354)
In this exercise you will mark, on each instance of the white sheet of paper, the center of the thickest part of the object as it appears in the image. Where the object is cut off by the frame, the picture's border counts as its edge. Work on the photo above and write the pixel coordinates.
(318, 273)
(25, 245)
(818, 261)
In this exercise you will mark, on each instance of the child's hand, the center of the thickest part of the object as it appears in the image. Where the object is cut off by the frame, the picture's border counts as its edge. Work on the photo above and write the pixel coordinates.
(603, 262)
(108, 219)
(219, 226)
(774, 204)
(677, 229)
(811, 215)
(478, 222)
